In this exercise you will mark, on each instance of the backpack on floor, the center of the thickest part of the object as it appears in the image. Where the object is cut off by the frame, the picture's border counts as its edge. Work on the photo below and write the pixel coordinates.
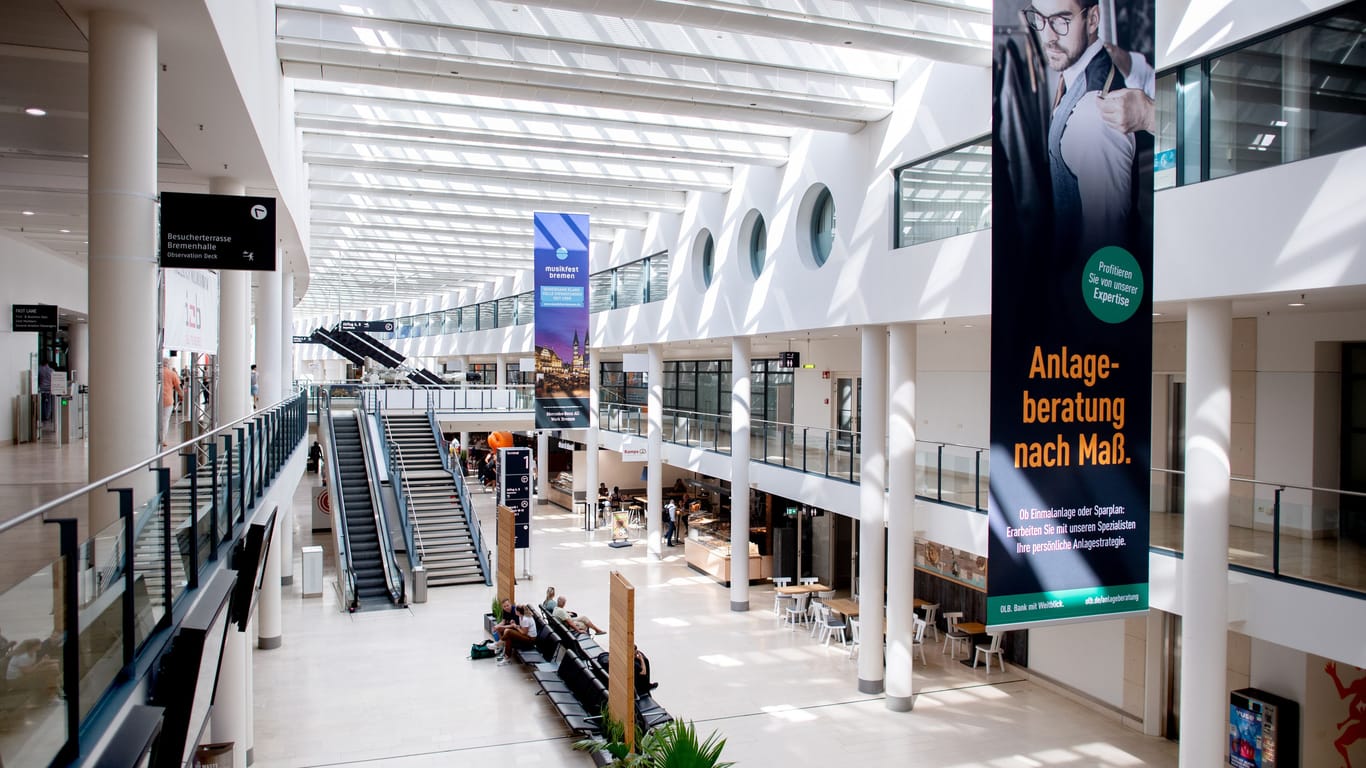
(482, 651)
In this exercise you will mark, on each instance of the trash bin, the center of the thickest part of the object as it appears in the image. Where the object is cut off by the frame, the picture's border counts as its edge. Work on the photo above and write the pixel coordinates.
(419, 584)
(313, 571)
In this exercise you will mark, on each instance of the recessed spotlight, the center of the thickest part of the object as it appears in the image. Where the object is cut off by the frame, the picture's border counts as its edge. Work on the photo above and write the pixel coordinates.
(35, 111)
(1157, 314)
(27, 213)
(968, 325)
(65, 231)
(1296, 304)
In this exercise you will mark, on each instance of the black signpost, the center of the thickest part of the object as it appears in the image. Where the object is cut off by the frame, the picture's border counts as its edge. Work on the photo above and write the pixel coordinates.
(369, 326)
(217, 232)
(514, 483)
(34, 317)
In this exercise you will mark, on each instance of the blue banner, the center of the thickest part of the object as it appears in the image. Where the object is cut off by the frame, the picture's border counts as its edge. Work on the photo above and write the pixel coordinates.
(1071, 309)
(561, 320)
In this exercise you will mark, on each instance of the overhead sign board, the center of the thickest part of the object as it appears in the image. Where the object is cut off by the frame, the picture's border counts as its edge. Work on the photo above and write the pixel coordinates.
(369, 326)
(789, 359)
(514, 487)
(303, 340)
(217, 232)
(34, 317)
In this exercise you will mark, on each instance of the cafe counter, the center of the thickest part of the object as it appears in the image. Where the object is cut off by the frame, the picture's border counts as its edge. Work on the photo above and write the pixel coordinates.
(710, 554)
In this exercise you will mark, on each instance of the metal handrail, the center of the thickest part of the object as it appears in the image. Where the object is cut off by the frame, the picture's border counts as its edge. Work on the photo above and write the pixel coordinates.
(342, 536)
(466, 504)
(393, 575)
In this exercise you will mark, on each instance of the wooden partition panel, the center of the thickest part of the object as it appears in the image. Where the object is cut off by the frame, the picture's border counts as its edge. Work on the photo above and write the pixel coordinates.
(621, 687)
(507, 567)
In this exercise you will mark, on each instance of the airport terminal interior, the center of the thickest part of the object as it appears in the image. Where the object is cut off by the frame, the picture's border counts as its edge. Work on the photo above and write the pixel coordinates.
(334, 325)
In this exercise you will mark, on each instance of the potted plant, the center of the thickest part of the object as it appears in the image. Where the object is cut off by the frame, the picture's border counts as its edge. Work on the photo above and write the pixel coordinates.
(493, 617)
(671, 745)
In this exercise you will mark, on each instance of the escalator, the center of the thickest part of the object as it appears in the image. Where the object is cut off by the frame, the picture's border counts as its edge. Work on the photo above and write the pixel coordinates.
(357, 346)
(357, 514)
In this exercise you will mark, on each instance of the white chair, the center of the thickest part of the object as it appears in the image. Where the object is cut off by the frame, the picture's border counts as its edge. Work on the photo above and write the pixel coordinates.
(816, 614)
(918, 642)
(987, 651)
(953, 636)
(807, 580)
(853, 638)
(796, 613)
(831, 625)
(778, 598)
(930, 611)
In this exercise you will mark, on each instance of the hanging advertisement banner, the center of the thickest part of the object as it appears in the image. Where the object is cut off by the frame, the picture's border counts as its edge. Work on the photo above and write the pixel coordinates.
(561, 320)
(191, 310)
(1071, 307)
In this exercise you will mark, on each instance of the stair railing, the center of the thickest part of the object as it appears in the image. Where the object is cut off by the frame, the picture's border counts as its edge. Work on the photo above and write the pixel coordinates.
(412, 531)
(463, 492)
(347, 573)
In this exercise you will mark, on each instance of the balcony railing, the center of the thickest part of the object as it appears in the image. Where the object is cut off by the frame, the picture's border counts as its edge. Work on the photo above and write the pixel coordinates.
(85, 603)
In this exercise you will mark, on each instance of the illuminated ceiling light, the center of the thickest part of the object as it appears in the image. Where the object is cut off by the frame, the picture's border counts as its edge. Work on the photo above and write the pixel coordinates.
(27, 213)
(35, 111)
(1299, 303)
(65, 231)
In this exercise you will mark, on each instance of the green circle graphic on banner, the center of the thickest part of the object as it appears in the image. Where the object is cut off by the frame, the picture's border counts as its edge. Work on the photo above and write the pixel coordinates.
(1112, 284)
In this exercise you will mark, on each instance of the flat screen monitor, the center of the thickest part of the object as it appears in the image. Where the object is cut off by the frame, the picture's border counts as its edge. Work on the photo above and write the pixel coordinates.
(249, 560)
(187, 676)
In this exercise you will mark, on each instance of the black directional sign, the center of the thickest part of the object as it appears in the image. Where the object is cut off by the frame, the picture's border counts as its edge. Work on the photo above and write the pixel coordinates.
(34, 317)
(303, 340)
(217, 232)
(369, 326)
(514, 485)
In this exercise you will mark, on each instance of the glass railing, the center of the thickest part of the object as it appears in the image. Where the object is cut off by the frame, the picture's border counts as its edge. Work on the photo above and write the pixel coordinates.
(90, 577)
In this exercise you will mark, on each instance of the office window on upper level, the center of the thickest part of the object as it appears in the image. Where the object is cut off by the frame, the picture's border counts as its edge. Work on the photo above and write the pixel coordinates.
(488, 315)
(1297, 95)
(507, 312)
(600, 290)
(944, 195)
(526, 308)
(657, 288)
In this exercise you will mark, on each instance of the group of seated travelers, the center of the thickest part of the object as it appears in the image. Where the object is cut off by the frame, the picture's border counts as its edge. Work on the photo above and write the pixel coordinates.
(30, 672)
(518, 630)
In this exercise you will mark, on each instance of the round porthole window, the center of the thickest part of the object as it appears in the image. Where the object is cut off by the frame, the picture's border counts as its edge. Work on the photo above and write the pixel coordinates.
(822, 227)
(704, 250)
(756, 243)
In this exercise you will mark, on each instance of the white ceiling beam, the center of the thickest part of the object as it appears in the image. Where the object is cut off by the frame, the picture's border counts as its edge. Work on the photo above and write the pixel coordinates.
(480, 190)
(339, 200)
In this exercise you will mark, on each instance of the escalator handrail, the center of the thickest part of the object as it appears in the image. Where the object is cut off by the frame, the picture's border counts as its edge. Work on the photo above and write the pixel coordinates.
(343, 538)
(412, 536)
(463, 492)
(393, 576)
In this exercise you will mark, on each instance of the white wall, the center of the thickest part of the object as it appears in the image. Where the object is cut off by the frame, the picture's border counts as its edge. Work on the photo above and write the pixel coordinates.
(1082, 656)
(33, 275)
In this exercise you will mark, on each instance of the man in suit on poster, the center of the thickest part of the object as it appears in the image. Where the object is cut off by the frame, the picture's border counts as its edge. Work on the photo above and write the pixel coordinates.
(1091, 146)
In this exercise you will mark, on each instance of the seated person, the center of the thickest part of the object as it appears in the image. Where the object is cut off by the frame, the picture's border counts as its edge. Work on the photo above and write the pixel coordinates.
(615, 498)
(521, 635)
(643, 683)
(602, 490)
(548, 605)
(577, 622)
(509, 618)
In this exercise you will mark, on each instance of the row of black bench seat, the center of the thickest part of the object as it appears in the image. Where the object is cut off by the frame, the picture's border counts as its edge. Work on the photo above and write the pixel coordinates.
(565, 665)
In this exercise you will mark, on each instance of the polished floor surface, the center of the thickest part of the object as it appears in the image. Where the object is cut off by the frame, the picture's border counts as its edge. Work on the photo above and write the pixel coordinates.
(395, 687)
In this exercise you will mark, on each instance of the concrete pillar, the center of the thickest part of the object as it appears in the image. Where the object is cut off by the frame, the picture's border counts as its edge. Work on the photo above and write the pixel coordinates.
(900, 516)
(78, 350)
(269, 335)
(268, 607)
(500, 376)
(1204, 584)
(872, 508)
(740, 382)
(234, 315)
(125, 401)
(228, 718)
(590, 477)
(654, 441)
(542, 467)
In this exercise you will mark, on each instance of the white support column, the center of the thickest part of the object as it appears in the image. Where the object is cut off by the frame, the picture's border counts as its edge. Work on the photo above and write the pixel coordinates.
(542, 467)
(269, 335)
(234, 317)
(901, 516)
(872, 506)
(78, 337)
(654, 447)
(740, 382)
(268, 609)
(125, 401)
(249, 700)
(286, 529)
(1204, 584)
(500, 376)
(228, 718)
(591, 463)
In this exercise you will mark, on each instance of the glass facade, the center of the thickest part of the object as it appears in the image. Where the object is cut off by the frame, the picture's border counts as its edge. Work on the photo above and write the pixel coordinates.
(944, 195)
(704, 386)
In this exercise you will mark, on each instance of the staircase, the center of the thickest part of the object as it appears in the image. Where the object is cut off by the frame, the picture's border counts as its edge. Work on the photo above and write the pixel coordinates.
(359, 512)
(440, 531)
(148, 547)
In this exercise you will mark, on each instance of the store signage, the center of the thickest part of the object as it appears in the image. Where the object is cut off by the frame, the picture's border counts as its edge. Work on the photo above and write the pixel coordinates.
(369, 326)
(634, 450)
(33, 317)
(789, 359)
(217, 232)
(514, 490)
(568, 446)
(1071, 330)
(561, 282)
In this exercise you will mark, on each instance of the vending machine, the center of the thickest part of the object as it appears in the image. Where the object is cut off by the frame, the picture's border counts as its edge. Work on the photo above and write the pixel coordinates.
(1263, 730)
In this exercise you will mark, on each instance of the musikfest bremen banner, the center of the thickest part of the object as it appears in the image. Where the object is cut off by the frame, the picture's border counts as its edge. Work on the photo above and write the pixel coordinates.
(561, 320)
(1071, 309)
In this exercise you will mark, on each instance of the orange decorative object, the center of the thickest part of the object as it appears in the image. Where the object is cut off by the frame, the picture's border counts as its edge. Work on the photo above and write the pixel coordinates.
(500, 440)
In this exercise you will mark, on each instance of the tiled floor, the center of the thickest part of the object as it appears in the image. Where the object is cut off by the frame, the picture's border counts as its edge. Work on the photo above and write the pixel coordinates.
(395, 687)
